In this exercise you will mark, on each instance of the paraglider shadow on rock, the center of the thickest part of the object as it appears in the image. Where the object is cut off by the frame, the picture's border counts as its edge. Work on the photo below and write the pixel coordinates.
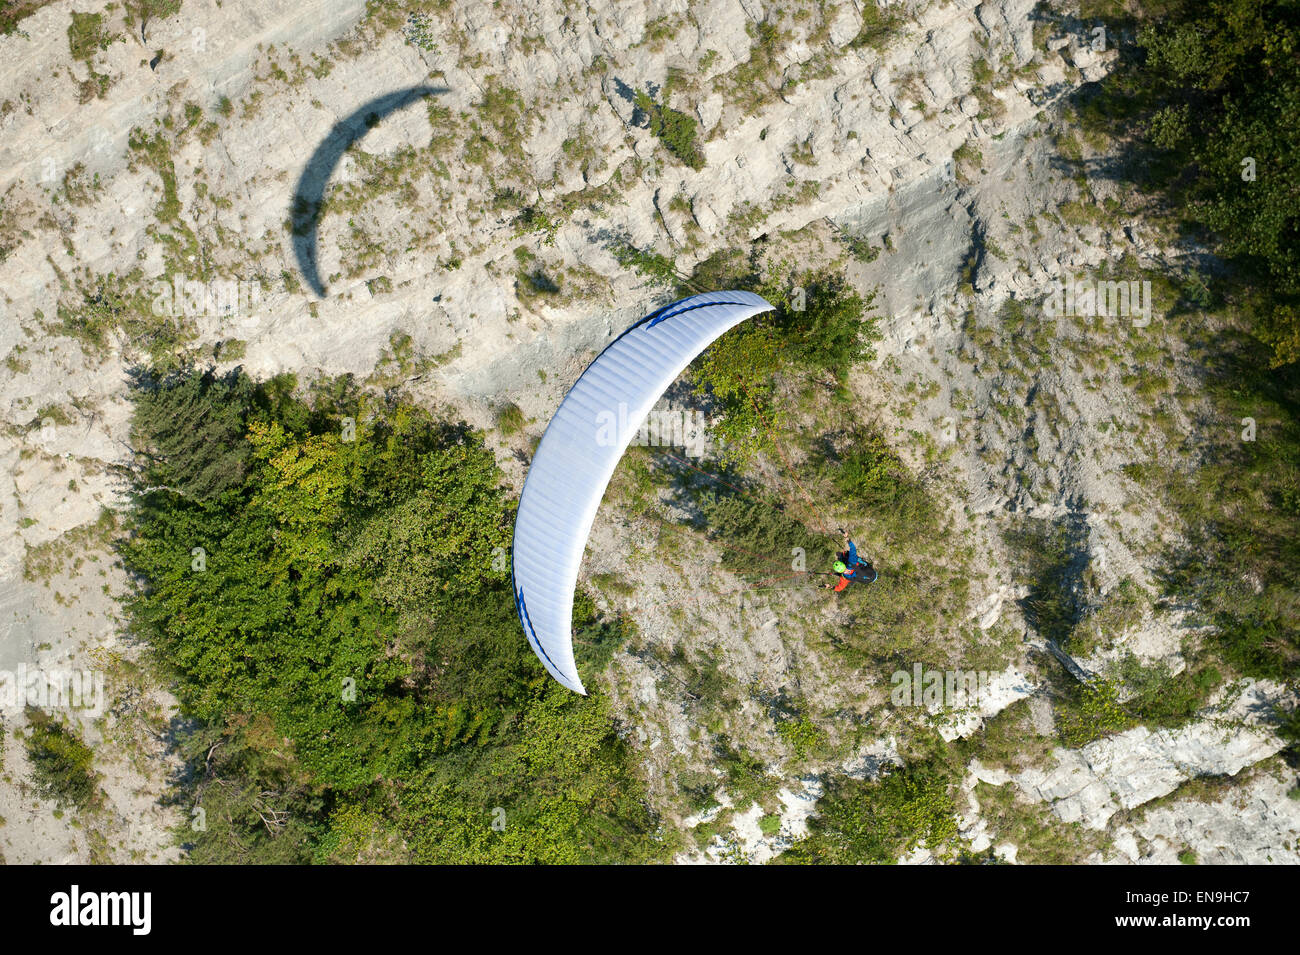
(309, 194)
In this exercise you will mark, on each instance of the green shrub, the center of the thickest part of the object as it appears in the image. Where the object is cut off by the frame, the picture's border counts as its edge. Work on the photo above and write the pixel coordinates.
(802, 735)
(745, 776)
(650, 264)
(877, 821)
(820, 326)
(1163, 699)
(756, 533)
(61, 763)
(1090, 711)
(100, 305)
(674, 129)
(596, 638)
(872, 479)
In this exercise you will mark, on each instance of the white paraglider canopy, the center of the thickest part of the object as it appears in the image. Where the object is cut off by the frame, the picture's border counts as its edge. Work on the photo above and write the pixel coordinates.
(578, 454)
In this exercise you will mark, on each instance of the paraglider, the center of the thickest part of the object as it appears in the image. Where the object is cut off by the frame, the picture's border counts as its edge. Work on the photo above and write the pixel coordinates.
(850, 566)
(579, 452)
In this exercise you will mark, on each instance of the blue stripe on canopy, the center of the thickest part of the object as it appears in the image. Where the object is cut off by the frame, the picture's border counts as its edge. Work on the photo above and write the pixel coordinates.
(577, 456)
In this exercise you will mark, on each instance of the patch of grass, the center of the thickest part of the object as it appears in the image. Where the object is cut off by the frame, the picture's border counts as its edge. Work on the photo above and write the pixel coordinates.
(510, 419)
(877, 821)
(1122, 611)
(615, 583)
(103, 304)
(155, 152)
(503, 109)
(1009, 742)
(969, 159)
(78, 188)
(1080, 213)
(15, 363)
(1040, 837)
(1161, 698)
(402, 361)
(536, 282)
(659, 30)
(758, 79)
(44, 561)
(87, 36)
(878, 26)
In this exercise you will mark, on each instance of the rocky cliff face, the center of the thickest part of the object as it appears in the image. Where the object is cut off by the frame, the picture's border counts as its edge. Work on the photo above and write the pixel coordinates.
(931, 139)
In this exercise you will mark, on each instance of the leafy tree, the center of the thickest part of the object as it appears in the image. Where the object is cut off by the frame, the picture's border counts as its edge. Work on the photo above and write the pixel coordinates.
(192, 431)
(822, 320)
(1212, 88)
(250, 801)
(349, 646)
